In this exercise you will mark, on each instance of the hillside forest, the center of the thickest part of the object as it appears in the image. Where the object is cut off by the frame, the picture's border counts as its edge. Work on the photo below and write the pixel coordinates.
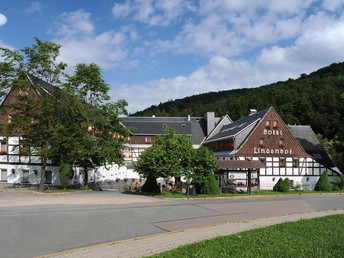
(316, 99)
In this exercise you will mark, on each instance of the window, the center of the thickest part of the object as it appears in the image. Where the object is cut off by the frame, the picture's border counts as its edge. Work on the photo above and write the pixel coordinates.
(3, 148)
(262, 142)
(268, 124)
(275, 124)
(24, 151)
(148, 140)
(296, 163)
(281, 142)
(282, 163)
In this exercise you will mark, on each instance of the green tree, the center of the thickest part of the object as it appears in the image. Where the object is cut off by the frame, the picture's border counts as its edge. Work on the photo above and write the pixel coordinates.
(202, 173)
(170, 155)
(100, 119)
(20, 70)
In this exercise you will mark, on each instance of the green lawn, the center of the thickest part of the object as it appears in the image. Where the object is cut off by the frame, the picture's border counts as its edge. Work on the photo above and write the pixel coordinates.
(319, 237)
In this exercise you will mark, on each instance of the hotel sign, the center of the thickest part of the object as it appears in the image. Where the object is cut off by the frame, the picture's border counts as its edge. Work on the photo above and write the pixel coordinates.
(273, 151)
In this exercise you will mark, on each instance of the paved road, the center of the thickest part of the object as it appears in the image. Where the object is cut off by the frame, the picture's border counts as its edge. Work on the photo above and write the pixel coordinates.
(34, 224)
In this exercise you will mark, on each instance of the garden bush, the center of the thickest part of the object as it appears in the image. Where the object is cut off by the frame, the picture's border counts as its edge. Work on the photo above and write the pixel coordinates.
(278, 186)
(323, 183)
(281, 185)
(209, 186)
(286, 185)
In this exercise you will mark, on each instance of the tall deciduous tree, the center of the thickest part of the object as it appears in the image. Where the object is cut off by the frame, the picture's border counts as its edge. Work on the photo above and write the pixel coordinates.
(101, 120)
(34, 117)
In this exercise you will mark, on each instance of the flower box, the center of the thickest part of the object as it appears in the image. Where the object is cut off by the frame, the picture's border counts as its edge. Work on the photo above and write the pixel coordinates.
(3, 152)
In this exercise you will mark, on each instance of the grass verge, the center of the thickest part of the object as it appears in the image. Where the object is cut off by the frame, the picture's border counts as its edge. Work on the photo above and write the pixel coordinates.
(319, 237)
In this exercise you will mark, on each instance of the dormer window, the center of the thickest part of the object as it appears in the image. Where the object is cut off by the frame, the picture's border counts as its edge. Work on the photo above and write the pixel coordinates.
(183, 125)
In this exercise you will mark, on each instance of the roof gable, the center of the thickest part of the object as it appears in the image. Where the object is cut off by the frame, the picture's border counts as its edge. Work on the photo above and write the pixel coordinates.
(271, 137)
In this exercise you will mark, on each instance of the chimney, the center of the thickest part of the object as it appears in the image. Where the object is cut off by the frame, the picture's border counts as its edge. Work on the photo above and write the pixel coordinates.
(210, 121)
(252, 112)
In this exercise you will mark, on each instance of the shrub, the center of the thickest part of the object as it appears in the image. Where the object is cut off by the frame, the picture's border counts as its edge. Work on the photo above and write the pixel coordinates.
(210, 186)
(278, 186)
(323, 183)
(286, 185)
(338, 183)
(151, 185)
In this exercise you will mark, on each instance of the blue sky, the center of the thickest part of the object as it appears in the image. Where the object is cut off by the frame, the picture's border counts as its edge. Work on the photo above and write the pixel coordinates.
(152, 51)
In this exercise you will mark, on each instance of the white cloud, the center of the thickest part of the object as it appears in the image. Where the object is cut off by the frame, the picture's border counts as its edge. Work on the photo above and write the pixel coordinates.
(122, 10)
(332, 5)
(106, 49)
(80, 44)
(3, 19)
(74, 24)
(33, 8)
(152, 12)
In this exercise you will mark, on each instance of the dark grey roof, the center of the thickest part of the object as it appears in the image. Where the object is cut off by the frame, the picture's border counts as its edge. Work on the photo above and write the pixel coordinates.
(41, 86)
(193, 126)
(310, 143)
(230, 130)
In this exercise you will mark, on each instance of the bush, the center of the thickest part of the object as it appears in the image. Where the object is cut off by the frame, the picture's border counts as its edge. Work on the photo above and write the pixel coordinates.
(323, 183)
(278, 186)
(209, 186)
(286, 185)
(338, 183)
(151, 185)
(281, 185)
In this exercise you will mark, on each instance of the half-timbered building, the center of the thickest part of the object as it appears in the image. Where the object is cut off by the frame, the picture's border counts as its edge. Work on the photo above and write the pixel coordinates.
(260, 148)
(18, 163)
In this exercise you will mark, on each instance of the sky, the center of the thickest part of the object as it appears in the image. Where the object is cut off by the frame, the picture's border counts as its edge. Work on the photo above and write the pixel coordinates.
(153, 51)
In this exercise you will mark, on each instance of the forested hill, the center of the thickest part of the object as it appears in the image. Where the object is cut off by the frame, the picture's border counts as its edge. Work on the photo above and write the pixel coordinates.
(316, 99)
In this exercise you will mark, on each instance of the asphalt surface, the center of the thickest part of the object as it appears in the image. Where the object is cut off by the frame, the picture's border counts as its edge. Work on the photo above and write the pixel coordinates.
(111, 224)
